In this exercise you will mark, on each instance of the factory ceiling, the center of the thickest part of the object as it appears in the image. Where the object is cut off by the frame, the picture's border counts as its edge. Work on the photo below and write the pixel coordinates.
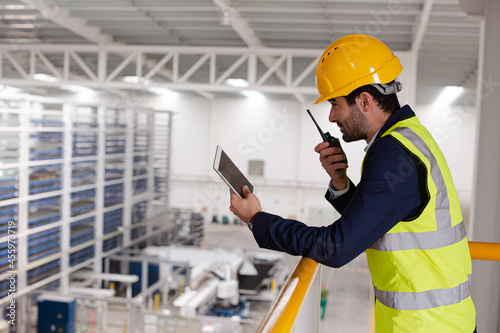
(197, 45)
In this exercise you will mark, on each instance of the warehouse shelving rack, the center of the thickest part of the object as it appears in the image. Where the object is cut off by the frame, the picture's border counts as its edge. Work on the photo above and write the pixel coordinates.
(77, 183)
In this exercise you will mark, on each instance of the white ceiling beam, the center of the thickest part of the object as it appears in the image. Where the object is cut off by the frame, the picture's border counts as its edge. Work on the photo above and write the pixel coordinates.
(422, 26)
(188, 87)
(296, 61)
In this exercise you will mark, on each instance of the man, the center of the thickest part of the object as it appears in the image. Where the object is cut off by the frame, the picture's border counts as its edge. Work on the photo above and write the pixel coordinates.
(404, 212)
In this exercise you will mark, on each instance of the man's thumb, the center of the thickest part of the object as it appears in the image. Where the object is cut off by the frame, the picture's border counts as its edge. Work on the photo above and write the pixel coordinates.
(246, 190)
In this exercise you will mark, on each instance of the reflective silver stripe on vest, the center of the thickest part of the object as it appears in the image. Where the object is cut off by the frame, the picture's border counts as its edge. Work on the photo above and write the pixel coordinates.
(420, 240)
(425, 299)
(445, 234)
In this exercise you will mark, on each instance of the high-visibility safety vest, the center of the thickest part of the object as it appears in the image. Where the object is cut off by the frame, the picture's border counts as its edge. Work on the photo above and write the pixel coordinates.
(421, 268)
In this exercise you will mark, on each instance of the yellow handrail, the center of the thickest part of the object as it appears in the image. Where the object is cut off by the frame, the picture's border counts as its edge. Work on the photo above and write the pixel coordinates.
(284, 310)
(484, 251)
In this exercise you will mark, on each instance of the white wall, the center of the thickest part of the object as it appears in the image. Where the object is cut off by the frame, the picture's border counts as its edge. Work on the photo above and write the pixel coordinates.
(454, 129)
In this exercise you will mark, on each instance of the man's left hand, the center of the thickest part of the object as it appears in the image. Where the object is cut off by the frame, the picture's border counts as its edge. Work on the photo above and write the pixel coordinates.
(245, 208)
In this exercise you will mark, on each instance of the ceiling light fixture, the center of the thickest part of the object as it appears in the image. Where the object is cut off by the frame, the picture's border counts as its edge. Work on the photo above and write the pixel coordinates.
(131, 79)
(16, 7)
(254, 94)
(163, 91)
(77, 89)
(226, 18)
(44, 77)
(448, 96)
(9, 89)
(238, 83)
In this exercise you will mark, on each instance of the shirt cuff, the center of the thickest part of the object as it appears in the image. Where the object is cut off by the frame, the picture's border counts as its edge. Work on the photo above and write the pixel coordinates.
(250, 223)
(334, 192)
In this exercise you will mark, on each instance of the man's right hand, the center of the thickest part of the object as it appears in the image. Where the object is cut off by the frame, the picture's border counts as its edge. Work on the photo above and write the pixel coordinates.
(330, 159)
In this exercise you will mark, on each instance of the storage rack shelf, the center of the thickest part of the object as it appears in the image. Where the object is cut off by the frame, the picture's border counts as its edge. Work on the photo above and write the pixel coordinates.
(74, 180)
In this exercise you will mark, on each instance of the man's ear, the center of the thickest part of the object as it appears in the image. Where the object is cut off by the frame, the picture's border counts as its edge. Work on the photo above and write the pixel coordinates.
(365, 101)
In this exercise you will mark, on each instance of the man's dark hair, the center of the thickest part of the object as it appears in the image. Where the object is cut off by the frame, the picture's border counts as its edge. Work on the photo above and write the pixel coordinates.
(388, 103)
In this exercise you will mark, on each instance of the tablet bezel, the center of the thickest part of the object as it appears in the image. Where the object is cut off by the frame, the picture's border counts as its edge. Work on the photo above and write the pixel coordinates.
(216, 167)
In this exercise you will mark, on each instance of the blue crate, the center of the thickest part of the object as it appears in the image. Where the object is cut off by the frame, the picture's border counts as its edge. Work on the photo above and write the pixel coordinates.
(44, 202)
(90, 174)
(55, 168)
(82, 209)
(43, 255)
(9, 187)
(8, 210)
(83, 194)
(40, 251)
(43, 189)
(34, 272)
(10, 195)
(8, 179)
(50, 218)
(43, 234)
(47, 122)
(49, 181)
(38, 276)
(47, 136)
(41, 243)
(81, 238)
(83, 221)
(78, 257)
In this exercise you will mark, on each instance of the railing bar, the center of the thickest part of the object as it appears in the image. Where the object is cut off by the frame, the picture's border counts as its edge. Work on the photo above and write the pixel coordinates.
(282, 318)
(484, 251)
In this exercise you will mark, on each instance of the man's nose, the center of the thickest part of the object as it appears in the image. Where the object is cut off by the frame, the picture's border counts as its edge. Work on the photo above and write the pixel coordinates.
(333, 115)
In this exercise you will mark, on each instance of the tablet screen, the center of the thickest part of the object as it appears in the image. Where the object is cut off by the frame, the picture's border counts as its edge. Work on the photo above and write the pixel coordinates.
(230, 172)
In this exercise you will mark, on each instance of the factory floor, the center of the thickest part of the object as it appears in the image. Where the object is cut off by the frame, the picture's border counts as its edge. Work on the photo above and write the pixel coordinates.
(348, 305)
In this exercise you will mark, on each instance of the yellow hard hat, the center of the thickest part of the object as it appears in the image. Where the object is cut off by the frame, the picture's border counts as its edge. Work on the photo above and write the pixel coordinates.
(352, 62)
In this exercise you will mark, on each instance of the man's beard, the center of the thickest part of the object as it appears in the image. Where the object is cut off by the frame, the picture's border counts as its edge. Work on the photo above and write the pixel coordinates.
(355, 126)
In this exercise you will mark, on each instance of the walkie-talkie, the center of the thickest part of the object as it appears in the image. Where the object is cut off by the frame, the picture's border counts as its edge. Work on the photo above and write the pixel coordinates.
(327, 137)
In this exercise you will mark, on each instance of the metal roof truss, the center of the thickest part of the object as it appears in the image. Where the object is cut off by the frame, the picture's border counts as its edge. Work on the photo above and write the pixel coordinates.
(203, 69)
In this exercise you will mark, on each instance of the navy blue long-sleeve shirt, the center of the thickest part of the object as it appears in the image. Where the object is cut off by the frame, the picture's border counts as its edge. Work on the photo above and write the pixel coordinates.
(392, 189)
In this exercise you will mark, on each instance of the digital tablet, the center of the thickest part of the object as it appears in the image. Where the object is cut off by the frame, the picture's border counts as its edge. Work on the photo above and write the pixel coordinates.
(230, 173)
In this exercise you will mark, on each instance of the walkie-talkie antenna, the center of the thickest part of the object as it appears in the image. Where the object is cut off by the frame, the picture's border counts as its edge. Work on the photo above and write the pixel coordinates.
(327, 137)
(317, 126)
